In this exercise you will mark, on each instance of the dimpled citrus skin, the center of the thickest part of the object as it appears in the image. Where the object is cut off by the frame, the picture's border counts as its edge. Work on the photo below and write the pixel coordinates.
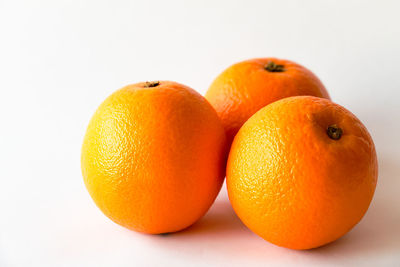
(293, 185)
(153, 158)
(245, 87)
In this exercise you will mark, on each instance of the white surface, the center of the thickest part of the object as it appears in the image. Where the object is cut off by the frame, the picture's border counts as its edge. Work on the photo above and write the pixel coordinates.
(60, 59)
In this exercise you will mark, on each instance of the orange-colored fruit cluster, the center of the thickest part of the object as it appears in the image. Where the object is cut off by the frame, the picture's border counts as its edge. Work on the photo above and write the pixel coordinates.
(301, 170)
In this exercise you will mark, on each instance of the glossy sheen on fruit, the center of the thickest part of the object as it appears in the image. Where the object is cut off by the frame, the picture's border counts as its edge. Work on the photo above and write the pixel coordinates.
(153, 157)
(244, 88)
(293, 184)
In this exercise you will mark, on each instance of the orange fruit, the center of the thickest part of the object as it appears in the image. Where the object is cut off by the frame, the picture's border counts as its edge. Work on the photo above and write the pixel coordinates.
(153, 156)
(302, 172)
(244, 88)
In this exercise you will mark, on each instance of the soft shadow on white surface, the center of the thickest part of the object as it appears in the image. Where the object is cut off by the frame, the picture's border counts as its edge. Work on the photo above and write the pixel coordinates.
(75, 233)
(220, 232)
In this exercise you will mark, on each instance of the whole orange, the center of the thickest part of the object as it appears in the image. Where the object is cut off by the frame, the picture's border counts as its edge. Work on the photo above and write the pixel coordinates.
(244, 88)
(153, 156)
(302, 172)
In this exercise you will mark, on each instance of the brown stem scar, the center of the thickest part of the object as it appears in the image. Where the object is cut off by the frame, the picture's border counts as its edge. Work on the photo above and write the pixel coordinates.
(273, 67)
(151, 84)
(334, 132)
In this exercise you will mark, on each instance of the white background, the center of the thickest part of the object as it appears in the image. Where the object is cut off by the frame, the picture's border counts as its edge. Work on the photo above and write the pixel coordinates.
(60, 59)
